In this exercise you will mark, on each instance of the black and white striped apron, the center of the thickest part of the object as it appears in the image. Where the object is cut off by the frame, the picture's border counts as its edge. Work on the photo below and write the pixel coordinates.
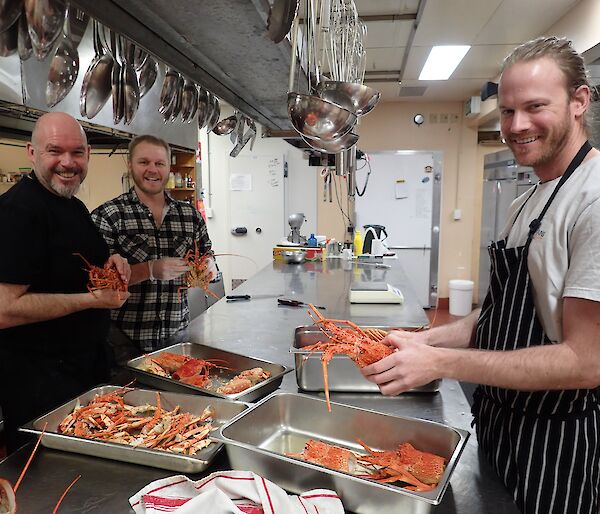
(544, 445)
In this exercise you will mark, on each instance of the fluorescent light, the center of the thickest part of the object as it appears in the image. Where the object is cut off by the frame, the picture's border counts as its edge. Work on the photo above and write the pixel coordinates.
(442, 61)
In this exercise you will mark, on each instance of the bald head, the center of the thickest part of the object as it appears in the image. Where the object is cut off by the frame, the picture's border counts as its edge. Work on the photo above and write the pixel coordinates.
(56, 122)
(59, 153)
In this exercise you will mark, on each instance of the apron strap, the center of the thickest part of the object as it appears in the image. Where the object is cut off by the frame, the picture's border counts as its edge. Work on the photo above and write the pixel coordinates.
(574, 164)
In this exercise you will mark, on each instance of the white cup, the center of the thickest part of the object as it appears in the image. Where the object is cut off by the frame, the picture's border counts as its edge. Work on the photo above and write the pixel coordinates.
(346, 253)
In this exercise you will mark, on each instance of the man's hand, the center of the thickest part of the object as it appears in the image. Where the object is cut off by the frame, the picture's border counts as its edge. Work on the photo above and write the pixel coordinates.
(169, 268)
(211, 270)
(121, 265)
(108, 298)
(413, 363)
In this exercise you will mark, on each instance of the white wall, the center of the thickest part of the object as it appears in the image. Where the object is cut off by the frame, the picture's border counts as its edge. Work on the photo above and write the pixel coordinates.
(299, 189)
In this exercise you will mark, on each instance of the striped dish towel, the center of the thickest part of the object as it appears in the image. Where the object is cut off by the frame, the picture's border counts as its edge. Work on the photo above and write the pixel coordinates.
(230, 492)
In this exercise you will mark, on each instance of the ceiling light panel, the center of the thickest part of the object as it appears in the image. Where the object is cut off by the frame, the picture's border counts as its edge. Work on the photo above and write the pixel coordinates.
(442, 61)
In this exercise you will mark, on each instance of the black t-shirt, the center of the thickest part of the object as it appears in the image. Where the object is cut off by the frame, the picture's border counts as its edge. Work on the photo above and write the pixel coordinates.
(39, 233)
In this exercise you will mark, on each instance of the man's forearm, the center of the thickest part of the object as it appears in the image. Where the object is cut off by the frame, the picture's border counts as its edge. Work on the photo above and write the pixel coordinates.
(36, 307)
(458, 334)
(537, 368)
(139, 273)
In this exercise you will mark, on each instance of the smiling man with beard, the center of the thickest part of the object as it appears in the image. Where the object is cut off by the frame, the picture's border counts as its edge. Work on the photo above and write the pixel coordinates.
(52, 330)
(535, 343)
(154, 232)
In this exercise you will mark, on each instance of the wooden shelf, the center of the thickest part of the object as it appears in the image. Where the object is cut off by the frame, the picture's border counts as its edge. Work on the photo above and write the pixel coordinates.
(184, 163)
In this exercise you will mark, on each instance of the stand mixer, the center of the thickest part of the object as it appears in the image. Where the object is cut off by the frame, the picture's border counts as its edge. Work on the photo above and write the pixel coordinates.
(295, 221)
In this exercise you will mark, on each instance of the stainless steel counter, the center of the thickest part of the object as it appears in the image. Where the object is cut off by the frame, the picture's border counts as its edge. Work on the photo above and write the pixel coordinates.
(260, 328)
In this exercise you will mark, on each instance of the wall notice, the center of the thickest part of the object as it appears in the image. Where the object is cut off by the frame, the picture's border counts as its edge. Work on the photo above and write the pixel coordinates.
(240, 182)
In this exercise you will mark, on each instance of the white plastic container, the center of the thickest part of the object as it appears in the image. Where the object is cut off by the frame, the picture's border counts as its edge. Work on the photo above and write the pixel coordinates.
(461, 297)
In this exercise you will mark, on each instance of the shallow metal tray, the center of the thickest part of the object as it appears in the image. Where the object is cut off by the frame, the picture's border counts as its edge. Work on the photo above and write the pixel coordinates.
(281, 423)
(235, 362)
(224, 411)
(342, 373)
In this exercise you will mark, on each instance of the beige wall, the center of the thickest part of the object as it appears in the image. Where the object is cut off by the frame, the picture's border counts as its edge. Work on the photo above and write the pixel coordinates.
(390, 127)
(102, 183)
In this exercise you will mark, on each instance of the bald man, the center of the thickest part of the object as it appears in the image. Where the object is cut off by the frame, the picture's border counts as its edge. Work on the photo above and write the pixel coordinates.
(52, 330)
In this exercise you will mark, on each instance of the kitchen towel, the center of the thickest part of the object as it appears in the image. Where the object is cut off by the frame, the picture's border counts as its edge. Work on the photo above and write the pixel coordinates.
(230, 492)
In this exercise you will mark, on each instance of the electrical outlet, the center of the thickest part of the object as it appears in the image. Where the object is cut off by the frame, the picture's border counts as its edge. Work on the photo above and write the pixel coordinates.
(444, 118)
(433, 117)
(453, 118)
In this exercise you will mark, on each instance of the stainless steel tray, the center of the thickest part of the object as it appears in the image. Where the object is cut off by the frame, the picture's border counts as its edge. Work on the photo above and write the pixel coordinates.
(342, 373)
(224, 411)
(235, 362)
(258, 439)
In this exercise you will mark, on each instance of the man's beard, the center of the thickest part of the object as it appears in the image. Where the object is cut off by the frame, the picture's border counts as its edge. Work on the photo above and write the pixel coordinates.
(554, 144)
(63, 190)
(139, 182)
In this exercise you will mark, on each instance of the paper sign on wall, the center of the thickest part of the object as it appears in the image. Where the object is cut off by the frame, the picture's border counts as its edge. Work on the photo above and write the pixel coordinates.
(240, 182)
(401, 190)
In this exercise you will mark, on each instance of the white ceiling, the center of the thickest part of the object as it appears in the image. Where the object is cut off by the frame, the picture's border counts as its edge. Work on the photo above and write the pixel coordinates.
(492, 28)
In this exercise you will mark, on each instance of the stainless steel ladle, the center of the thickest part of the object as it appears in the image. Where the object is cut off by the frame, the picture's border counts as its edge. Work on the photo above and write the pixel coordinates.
(45, 19)
(96, 88)
(225, 126)
(147, 75)
(23, 40)
(64, 67)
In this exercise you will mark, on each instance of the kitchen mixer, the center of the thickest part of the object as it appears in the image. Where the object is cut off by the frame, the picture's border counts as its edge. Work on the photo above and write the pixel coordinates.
(295, 221)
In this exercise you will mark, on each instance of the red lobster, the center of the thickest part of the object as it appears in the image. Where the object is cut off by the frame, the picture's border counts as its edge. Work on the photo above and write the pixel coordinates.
(103, 278)
(347, 338)
(198, 275)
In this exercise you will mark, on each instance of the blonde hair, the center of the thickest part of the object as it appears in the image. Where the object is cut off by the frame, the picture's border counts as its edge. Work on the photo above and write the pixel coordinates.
(561, 51)
(147, 138)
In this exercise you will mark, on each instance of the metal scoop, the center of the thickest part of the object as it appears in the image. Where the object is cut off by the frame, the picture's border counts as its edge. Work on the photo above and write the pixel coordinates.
(225, 126)
(45, 20)
(96, 87)
(23, 40)
(64, 67)
(147, 75)
(9, 40)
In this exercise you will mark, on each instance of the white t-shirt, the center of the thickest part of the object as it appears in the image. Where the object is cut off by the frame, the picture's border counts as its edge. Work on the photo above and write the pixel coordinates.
(564, 256)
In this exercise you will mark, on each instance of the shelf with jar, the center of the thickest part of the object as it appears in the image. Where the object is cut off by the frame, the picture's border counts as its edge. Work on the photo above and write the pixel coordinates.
(10, 178)
(182, 177)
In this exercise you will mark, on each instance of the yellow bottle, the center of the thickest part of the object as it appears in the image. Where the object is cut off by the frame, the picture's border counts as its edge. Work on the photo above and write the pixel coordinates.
(358, 242)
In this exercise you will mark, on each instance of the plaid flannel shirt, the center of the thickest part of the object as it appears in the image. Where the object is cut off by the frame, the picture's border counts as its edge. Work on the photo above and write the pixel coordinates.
(155, 310)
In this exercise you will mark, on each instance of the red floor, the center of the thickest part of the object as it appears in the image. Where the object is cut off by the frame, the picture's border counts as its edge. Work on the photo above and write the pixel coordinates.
(441, 315)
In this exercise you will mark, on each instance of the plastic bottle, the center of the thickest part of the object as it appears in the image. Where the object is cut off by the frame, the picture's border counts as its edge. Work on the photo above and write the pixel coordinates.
(358, 242)
(178, 180)
(171, 181)
(312, 241)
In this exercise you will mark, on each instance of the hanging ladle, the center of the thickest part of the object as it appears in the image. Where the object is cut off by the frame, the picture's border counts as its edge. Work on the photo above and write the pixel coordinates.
(225, 126)
(64, 67)
(96, 88)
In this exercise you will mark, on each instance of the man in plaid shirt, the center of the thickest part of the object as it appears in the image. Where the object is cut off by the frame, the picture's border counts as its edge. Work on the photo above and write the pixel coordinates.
(154, 232)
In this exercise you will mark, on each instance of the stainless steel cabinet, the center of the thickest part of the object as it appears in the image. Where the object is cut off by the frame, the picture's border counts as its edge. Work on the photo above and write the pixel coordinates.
(503, 181)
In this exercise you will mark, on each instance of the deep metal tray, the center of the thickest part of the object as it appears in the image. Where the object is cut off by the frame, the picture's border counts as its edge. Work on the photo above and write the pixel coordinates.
(224, 411)
(235, 362)
(258, 439)
(342, 373)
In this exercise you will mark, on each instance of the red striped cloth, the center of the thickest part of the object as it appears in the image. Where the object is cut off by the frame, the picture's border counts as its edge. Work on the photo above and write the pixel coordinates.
(230, 492)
